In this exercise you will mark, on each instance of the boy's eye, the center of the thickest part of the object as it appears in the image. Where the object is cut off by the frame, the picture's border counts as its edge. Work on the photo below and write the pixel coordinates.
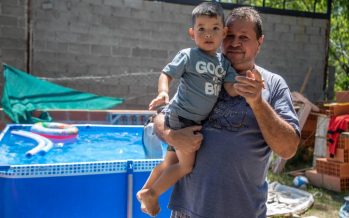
(201, 29)
(216, 28)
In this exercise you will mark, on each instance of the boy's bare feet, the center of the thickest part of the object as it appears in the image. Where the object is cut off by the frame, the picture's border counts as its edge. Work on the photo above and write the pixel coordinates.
(149, 202)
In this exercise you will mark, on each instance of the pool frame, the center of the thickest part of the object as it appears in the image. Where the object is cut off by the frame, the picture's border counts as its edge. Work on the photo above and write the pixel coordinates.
(84, 189)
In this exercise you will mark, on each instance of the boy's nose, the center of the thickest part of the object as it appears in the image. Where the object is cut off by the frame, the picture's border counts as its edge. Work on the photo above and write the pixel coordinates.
(208, 35)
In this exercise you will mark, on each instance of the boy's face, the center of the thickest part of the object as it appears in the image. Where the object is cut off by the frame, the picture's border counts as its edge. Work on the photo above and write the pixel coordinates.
(208, 33)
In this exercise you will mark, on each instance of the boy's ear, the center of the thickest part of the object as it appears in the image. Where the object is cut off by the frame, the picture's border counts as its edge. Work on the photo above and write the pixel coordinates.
(191, 33)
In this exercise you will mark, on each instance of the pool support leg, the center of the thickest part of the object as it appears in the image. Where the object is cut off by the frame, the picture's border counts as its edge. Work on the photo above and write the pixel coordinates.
(129, 188)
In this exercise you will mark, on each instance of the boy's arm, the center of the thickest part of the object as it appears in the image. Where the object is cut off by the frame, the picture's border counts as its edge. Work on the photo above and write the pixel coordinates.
(163, 89)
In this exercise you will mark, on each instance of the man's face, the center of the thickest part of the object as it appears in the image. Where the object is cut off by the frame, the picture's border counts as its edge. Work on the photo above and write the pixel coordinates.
(241, 44)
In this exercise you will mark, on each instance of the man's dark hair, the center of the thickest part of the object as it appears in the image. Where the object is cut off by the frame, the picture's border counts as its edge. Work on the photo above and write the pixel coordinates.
(211, 9)
(248, 14)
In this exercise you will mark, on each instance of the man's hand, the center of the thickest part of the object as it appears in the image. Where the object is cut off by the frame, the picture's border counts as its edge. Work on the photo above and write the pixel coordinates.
(186, 140)
(250, 86)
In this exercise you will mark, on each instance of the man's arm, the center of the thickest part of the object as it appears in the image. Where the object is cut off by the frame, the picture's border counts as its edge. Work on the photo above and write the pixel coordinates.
(186, 139)
(278, 134)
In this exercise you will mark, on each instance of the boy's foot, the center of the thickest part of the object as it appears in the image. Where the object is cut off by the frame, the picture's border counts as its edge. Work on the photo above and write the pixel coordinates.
(149, 202)
(143, 209)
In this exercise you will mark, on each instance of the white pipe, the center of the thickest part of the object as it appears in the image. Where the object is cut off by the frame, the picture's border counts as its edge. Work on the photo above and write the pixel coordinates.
(48, 146)
(44, 144)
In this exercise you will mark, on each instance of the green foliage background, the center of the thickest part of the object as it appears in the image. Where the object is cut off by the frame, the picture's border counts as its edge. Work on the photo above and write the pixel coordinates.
(339, 30)
(339, 43)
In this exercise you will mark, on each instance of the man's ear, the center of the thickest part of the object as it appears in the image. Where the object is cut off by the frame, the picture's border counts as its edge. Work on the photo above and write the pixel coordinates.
(191, 33)
(225, 31)
(260, 42)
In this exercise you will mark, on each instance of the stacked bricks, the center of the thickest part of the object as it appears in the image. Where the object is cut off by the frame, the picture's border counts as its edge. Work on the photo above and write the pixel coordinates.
(332, 172)
(342, 150)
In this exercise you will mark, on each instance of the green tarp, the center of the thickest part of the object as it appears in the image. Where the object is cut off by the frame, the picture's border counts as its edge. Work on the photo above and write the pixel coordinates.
(24, 94)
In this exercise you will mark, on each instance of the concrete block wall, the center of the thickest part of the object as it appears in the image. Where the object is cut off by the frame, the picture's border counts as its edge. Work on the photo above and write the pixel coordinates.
(118, 48)
(292, 47)
(13, 34)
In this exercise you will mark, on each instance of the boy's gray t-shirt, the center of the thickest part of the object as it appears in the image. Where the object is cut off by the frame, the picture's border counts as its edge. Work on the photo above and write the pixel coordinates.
(229, 175)
(201, 77)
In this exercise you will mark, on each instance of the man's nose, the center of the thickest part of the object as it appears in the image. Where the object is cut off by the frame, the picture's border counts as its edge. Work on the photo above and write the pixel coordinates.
(235, 42)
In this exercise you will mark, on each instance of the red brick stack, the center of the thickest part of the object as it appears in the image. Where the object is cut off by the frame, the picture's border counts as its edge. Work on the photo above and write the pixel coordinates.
(332, 172)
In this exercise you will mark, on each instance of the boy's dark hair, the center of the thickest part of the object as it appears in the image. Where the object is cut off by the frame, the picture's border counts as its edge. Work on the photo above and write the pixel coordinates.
(248, 14)
(211, 9)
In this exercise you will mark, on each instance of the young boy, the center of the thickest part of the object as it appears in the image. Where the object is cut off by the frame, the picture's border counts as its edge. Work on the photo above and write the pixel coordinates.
(201, 71)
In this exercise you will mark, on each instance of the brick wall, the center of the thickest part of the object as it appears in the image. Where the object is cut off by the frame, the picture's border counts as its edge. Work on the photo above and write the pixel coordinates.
(13, 34)
(118, 48)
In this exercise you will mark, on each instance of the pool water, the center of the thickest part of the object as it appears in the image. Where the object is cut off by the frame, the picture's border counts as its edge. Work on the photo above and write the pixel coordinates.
(98, 175)
(93, 143)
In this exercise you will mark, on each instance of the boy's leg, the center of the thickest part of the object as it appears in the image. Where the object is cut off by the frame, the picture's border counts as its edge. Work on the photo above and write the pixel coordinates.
(149, 197)
(149, 202)
(174, 172)
(170, 159)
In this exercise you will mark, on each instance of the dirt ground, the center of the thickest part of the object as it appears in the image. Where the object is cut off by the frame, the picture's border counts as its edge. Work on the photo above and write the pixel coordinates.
(326, 203)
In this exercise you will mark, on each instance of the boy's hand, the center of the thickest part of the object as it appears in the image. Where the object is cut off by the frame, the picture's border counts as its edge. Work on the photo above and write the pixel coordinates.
(161, 99)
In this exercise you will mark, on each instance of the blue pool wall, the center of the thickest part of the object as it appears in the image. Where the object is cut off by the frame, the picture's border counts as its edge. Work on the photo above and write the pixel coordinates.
(89, 189)
(82, 194)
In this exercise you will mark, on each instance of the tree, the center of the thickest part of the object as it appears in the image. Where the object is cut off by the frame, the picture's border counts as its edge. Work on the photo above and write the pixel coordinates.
(339, 43)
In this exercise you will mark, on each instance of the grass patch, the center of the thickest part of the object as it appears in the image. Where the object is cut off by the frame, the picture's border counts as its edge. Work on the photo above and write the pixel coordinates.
(326, 203)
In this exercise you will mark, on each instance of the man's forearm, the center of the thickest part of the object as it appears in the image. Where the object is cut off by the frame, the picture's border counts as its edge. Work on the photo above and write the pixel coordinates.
(186, 139)
(278, 134)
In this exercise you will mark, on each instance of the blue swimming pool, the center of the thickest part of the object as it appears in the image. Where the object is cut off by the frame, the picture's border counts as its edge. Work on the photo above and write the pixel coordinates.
(97, 175)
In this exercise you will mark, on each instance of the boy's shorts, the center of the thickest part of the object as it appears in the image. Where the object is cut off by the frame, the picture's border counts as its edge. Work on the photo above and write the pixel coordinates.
(174, 121)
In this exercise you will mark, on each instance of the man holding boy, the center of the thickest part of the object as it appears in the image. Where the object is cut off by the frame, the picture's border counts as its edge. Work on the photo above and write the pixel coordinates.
(229, 176)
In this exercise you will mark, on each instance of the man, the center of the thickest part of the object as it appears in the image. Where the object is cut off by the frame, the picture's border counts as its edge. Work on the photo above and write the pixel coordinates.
(229, 176)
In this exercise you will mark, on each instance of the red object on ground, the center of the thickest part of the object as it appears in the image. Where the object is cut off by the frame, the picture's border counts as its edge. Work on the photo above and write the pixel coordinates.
(336, 126)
